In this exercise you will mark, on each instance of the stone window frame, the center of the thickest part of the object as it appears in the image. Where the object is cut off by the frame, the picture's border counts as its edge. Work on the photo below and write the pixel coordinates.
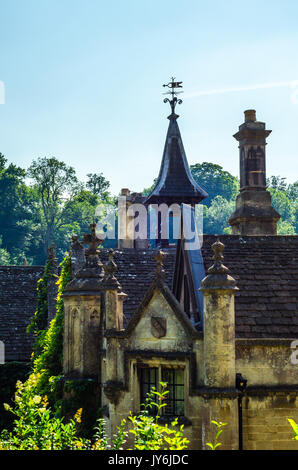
(159, 364)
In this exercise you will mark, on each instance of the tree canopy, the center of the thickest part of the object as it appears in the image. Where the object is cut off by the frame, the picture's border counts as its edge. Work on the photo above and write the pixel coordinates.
(49, 203)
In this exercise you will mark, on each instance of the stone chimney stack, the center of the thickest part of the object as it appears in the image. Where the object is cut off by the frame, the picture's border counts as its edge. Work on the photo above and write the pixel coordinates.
(254, 214)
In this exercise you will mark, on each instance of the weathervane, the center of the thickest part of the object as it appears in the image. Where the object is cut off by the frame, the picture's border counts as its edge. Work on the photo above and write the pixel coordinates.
(174, 100)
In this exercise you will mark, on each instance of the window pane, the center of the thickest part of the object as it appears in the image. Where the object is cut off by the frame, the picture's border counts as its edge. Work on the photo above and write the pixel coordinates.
(148, 379)
(179, 392)
(179, 377)
(175, 397)
(179, 408)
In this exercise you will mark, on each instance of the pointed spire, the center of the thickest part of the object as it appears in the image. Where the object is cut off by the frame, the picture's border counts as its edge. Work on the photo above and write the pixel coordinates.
(175, 183)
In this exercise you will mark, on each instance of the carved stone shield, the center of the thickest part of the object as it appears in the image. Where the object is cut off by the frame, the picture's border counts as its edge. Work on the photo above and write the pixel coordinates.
(158, 327)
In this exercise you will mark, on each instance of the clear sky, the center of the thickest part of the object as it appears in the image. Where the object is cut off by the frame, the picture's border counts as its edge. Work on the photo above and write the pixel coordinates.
(83, 82)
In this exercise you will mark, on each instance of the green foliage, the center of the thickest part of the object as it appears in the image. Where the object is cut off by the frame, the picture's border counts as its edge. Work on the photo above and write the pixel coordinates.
(49, 364)
(295, 428)
(148, 433)
(50, 206)
(216, 444)
(5, 259)
(56, 184)
(37, 427)
(285, 201)
(10, 373)
(215, 181)
(215, 217)
(14, 210)
(97, 184)
(82, 394)
(45, 378)
(39, 321)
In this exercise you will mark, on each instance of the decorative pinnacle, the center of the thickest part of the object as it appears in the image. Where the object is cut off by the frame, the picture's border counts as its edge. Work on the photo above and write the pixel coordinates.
(109, 280)
(110, 267)
(218, 277)
(173, 85)
(159, 258)
(52, 254)
(92, 240)
(218, 267)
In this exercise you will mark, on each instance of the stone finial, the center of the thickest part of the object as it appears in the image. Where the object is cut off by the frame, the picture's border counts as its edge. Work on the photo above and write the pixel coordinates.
(77, 252)
(88, 278)
(218, 277)
(52, 258)
(109, 280)
(218, 267)
(92, 240)
(159, 258)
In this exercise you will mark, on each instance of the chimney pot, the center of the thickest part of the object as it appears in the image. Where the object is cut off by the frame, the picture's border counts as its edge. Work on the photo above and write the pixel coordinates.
(125, 192)
(250, 115)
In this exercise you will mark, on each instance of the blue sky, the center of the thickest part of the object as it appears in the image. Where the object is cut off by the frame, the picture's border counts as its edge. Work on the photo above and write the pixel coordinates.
(83, 82)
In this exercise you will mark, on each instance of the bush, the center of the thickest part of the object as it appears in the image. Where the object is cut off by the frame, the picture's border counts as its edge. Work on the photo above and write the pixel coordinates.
(37, 428)
(10, 373)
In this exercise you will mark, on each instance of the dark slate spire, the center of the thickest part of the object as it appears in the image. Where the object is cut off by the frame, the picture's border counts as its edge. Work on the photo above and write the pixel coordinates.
(175, 183)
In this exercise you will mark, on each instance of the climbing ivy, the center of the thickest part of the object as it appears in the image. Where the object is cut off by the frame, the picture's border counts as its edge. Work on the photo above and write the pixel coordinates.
(47, 366)
(49, 363)
(39, 321)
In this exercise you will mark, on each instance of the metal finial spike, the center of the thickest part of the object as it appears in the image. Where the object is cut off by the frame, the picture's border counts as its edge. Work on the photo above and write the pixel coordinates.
(172, 85)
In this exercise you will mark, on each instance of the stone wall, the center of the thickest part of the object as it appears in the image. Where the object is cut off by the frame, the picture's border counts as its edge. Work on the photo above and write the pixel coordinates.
(265, 420)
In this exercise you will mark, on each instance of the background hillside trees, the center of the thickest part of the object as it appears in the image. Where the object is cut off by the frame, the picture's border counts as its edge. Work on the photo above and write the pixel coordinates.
(48, 203)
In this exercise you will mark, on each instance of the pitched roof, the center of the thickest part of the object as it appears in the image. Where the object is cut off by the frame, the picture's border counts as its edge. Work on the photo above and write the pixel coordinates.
(17, 305)
(135, 273)
(175, 182)
(265, 268)
(266, 271)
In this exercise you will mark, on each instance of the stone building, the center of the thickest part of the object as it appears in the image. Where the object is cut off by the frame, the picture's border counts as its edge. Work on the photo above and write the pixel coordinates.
(217, 322)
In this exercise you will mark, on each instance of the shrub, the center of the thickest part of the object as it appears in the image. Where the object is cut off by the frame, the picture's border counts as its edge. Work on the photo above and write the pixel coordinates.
(37, 428)
(10, 373)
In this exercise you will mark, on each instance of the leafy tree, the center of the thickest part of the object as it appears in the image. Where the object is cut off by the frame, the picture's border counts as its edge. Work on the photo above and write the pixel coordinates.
(285, 228)
(56, 184)
(277, 182)
(14, 207)
(293, 192)
(216, 216)
(97, 184)
(215, 181)
(4, 256)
